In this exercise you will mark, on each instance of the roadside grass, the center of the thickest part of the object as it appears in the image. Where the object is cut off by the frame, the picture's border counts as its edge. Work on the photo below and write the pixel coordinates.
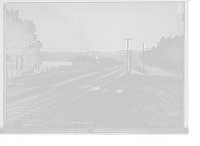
(158, 109)
(130, 101)
(140, 69)
(148, 83)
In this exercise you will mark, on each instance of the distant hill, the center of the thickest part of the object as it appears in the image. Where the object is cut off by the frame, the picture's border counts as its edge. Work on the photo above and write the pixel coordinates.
(67, 56)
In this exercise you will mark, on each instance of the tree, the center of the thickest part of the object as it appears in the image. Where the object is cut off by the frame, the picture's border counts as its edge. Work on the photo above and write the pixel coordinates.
(32, 58)
(20, 37)
(32, 55)
(168, 53)
(159, 54)
(175, 55)
(162, 51)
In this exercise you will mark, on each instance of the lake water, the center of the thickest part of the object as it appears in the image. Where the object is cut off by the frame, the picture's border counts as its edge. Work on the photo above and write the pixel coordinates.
(51, 64)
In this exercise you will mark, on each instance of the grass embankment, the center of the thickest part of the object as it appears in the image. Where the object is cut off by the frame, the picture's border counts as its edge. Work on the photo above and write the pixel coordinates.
(147, 83)
(104, 108)
(140, 69)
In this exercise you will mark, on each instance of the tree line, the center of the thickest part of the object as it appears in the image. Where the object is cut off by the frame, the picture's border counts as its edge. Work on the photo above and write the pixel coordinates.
(22, 44)
(170, 49)
(169, 54)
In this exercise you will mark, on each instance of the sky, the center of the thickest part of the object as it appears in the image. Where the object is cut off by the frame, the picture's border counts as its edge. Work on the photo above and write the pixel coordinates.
(64, 27)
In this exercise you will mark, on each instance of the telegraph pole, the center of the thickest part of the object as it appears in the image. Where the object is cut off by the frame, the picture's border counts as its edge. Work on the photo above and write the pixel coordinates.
(143, 47)
(130, 60)
(127, 62)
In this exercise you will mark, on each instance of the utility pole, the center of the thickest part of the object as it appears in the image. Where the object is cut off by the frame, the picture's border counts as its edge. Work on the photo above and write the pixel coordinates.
(127, 62)
(143, 47)
(130, 60)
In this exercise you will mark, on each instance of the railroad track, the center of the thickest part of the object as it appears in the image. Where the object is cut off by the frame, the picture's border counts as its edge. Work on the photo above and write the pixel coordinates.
(28, 108)
(37, 84)
(60, 86)
(56, 89)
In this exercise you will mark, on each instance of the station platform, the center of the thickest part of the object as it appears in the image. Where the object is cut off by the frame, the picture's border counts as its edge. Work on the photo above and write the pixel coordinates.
(31, 78)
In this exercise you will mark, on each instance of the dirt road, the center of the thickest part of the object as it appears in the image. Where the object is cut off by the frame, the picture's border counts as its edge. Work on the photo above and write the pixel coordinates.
(158, 71)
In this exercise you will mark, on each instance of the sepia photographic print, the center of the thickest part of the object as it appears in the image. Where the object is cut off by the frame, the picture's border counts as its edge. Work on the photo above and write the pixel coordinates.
(95, 67)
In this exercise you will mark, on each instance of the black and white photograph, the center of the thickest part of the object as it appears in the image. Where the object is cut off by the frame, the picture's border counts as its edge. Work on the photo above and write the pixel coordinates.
(95, 67)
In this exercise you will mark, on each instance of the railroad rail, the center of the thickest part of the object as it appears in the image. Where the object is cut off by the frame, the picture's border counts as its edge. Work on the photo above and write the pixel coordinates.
(37, 84)
(28, 108)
